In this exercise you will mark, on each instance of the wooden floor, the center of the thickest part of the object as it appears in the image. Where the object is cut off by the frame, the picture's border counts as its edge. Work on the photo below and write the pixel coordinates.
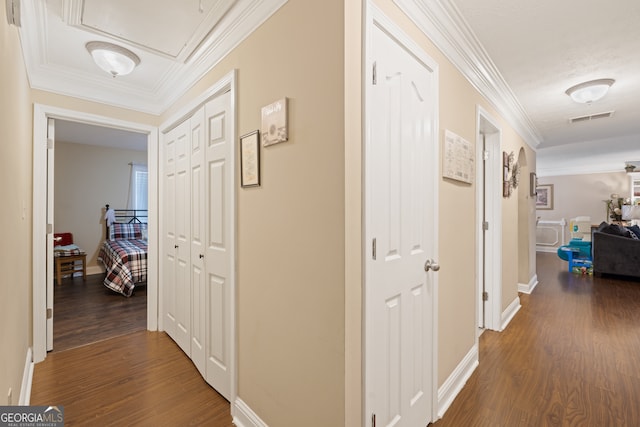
(86, 311)
(570, 357)
(140, 379)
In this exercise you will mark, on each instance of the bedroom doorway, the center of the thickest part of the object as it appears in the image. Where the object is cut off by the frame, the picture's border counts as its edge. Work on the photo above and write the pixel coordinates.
(94, 166)
(43, 221)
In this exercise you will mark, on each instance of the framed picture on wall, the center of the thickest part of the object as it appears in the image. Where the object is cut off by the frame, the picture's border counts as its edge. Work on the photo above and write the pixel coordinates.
(544, 196)
(250, 159)
(274, 126)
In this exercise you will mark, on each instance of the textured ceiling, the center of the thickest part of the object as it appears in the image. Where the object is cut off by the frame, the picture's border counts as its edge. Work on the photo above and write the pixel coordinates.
(542, 48)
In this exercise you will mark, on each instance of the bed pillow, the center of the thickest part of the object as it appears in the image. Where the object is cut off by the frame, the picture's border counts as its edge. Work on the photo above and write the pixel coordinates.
(119, 231)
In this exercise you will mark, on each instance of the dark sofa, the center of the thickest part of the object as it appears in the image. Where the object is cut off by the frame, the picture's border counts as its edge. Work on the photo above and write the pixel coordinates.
(616, 251)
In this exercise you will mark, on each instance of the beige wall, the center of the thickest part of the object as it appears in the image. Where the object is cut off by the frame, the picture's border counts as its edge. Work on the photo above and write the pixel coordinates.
(583, 195)
(15, 217)
(86, 178)
(81, 105)
(457, 244)
(291, 230)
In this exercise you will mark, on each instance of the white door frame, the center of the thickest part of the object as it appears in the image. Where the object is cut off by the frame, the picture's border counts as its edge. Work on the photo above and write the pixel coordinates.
(375, 17)
(491, 263)
(228, 83)
(41, 114)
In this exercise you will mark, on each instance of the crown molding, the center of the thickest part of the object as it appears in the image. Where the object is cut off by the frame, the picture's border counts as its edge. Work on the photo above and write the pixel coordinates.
(442, 22)
(177, 79)
(239, 23)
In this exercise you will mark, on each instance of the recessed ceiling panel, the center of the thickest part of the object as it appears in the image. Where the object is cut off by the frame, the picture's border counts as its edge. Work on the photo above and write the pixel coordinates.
(171, 27)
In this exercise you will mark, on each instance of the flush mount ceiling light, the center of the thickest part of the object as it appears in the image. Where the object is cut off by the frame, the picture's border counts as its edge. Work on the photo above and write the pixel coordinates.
(588, 92)
(114, 59)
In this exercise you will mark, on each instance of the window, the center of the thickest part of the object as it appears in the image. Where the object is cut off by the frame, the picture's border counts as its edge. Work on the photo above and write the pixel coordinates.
(138, 187)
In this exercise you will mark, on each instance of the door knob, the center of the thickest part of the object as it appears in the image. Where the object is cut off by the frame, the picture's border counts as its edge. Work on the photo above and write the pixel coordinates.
(431, 265)
(201, 256)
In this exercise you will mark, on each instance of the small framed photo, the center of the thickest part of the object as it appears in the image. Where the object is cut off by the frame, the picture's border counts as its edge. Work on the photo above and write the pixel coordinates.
(533, 184)
(274, 124)
(506, 190)
(544, 196)
(250, 159)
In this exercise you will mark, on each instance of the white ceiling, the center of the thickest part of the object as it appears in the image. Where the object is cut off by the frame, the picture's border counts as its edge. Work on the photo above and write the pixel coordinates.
(177, 42)
(543, 47)
(524, 54)
(82, 133)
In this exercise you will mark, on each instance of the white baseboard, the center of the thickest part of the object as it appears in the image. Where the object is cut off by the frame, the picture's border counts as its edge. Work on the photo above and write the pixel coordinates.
(458, 378)
(529, 287)
(245, 417)
(549, 249)
(27, 380)
(510, 312)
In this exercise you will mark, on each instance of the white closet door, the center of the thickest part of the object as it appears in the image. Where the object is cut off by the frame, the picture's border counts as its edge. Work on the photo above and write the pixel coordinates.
(183, 241)
(218, 250)
(198, 223)
(177, 282)
(169, 232)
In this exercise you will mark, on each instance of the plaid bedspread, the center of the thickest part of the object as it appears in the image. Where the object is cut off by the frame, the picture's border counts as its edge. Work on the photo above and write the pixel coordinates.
(126, 264)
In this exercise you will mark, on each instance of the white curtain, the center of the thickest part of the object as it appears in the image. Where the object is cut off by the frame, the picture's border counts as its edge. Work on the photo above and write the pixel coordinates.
(138, 187)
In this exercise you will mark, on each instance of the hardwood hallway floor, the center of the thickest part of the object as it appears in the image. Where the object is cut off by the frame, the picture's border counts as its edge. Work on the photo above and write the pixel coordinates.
(106, 369)
(139, 379)
(86, 311)
(570, 357)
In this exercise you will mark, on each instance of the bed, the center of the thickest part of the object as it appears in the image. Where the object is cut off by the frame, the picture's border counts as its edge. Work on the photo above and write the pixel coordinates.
(124, 256)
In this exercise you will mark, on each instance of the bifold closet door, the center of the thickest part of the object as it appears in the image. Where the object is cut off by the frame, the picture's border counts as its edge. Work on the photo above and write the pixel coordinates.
(198, 249)
(198, 224)
(176, 241)
(219, 252)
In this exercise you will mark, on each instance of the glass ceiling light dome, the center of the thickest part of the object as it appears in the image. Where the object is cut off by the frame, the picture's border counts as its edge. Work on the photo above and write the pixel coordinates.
(114, 59)
(588, 92)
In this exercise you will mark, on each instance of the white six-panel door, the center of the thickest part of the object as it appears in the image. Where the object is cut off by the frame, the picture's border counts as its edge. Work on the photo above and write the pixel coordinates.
(400, 200)
(219, 235)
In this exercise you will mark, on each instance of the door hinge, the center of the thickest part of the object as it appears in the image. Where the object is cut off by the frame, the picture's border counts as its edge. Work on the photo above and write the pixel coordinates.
(373, 249)
(49, 144)
(485, 296)
(485, 155)
(49, 228)
(49, 313)
(375, 73)
(485, 225)
(373, 420)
